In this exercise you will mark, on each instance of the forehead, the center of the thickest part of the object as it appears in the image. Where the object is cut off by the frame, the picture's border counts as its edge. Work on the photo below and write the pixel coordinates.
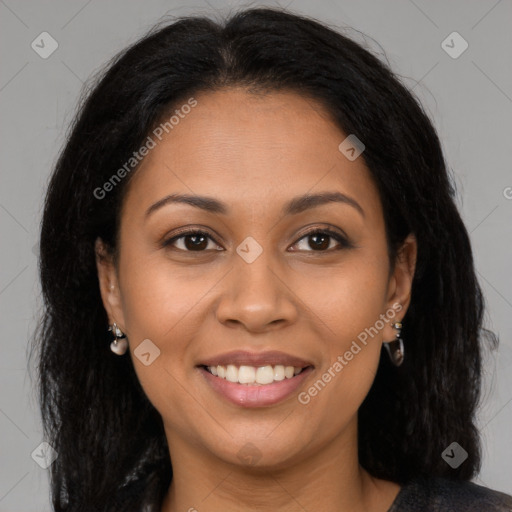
(250, 149)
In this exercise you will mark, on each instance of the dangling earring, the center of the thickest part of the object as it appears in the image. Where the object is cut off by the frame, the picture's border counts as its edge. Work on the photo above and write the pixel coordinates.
(120, 344)
(395, 348)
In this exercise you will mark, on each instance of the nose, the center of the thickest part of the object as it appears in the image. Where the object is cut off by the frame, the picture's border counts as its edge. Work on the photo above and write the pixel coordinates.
(257, 296)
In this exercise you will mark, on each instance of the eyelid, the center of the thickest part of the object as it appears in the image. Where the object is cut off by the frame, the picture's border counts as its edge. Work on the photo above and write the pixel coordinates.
(183, 232)
(339, 236)
(342, 239)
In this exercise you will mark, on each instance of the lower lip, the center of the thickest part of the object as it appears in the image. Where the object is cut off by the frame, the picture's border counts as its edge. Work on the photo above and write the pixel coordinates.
(246, 395)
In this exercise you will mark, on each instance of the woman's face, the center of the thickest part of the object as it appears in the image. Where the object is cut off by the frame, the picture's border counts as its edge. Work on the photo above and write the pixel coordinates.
(256, 282)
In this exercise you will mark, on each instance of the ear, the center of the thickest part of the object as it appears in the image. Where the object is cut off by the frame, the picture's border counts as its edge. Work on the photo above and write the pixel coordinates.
(109, 285)
(400, 284)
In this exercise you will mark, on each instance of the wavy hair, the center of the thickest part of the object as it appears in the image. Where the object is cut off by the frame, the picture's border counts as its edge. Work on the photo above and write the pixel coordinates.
(112, 450)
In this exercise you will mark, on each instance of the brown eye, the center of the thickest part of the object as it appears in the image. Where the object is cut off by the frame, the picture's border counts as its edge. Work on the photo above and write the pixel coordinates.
(191, 241)
(320, 240)
(198, 241)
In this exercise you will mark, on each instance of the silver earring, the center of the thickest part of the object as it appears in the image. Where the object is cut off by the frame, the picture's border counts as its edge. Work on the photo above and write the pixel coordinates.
(395, 348)
(120, 344)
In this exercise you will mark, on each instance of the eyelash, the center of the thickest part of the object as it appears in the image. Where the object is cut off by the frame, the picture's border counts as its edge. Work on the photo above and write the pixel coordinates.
(344, 243)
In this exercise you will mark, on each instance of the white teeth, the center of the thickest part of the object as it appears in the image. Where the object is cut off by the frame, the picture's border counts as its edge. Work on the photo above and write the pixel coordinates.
(246, 374)
(232, 373)
(279, 372)
(289, 371)
(265, 375)
(254, 375)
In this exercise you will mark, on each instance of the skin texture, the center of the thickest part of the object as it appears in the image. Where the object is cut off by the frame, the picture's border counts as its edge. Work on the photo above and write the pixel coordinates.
(255, 152)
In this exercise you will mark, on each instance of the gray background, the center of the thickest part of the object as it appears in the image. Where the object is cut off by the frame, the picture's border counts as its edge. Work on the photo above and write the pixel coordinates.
(469, 99)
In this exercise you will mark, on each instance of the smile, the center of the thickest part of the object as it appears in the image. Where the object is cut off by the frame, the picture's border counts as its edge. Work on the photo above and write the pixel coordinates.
(252, 375)
(260, 387)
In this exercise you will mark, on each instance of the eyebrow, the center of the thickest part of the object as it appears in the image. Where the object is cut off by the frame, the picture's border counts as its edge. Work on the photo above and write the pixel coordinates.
(293, 207)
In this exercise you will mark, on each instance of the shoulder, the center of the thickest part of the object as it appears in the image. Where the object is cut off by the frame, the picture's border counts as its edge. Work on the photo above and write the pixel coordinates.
(443, 495)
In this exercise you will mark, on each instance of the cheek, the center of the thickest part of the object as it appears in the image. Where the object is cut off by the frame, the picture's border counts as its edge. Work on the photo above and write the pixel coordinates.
(157, 295)
(348, 304)
(352, 348)
(346, 299)
(160, 305)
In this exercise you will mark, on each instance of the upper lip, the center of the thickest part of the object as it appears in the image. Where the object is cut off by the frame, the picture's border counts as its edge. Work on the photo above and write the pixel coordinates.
(247, 358)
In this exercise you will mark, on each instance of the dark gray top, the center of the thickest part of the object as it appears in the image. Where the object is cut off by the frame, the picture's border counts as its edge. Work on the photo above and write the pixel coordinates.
(441, 495)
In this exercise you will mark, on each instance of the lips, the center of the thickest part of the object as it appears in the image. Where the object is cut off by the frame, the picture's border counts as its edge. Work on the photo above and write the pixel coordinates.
(246, 358)
(276, 388)
(249, 396)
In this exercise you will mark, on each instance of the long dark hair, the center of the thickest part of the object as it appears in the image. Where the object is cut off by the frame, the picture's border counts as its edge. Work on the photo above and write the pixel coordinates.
(112, 450)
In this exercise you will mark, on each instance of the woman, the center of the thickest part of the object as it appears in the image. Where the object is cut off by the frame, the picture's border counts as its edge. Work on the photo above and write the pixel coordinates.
(243, 217)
